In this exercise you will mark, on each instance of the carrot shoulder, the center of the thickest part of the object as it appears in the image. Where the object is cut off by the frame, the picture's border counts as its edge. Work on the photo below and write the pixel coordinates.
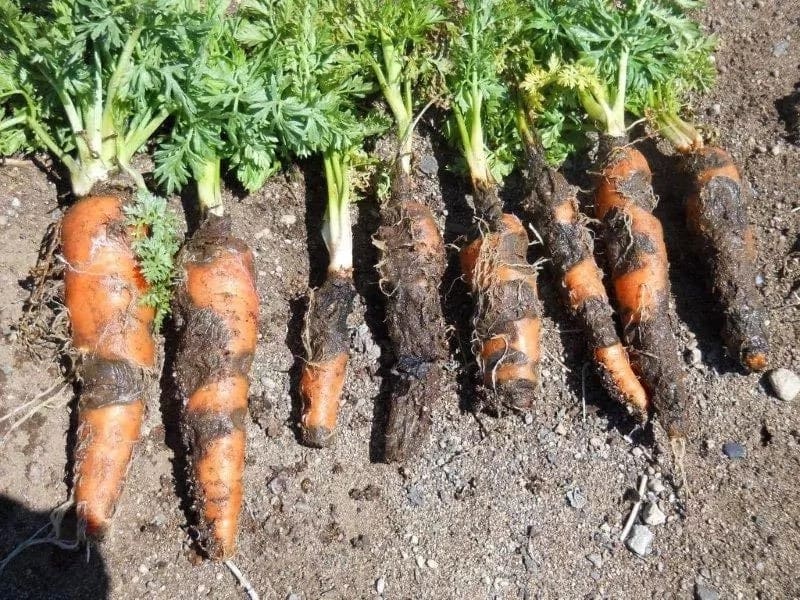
(112, 331)
(216, 312)
(716, 213)
(624, 202)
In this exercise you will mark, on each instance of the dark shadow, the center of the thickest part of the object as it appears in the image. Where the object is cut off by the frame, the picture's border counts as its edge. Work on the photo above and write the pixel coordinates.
(788, 108)
(316, 201)
(365, 275)
(45, 571)
(170, 404)
(191, 208)
(457, 303)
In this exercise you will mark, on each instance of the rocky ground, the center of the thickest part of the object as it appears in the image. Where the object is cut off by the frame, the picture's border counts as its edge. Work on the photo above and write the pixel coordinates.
(497, 507)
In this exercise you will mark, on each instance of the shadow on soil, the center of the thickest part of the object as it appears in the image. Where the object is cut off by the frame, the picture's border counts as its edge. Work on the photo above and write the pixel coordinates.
(44, 571)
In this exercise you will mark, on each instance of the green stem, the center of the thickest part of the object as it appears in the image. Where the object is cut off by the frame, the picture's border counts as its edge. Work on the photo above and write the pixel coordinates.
(336, 227)
(8, 123)
(137, 137)
(121, 69)
(209, 186)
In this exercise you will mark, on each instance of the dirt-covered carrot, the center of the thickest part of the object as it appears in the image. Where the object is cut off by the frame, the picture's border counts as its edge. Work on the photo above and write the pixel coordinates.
(716, 215)
(396, 42)
(112, 331)
(637, 256)
(71, 91)
(325, 337)
(553, 208)
(507, 316)
(216, 310)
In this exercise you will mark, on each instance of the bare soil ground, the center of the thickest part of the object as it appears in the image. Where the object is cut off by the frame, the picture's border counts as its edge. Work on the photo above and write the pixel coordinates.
(497, 507)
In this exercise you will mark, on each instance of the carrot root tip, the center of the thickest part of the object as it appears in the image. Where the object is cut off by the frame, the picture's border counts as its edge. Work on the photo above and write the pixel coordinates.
(318, 436)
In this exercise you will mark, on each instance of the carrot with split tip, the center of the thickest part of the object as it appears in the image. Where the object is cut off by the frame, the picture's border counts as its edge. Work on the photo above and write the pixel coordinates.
(112, 331)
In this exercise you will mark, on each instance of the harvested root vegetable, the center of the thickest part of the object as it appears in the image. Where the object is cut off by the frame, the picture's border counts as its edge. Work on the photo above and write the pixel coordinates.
(716, 213)
(412, 263)
(637, 256)
(552, 205)
(507, 320)
(507, 315)
(216, 312)
(113, 332)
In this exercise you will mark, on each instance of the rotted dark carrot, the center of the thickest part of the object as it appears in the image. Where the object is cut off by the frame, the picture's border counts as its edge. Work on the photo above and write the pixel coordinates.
(716, 213)
(112, 331)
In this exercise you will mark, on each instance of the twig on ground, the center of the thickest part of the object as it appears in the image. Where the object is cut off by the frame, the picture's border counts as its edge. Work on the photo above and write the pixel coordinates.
(242, 580)
(635, 510)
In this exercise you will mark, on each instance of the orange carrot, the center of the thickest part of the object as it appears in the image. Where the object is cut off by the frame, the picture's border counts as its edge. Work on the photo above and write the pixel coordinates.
(112, 331)
(217, 315)
(507, 319)
(326, 341)
(624, 202)
(716, 214)
(552, 205)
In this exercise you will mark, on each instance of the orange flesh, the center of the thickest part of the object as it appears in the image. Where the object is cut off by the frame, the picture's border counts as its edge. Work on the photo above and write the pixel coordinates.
(106, 439)
(583, 281)
(614, 360)
(607, 195)
(525, 340)
(103, 285)
(321, 386)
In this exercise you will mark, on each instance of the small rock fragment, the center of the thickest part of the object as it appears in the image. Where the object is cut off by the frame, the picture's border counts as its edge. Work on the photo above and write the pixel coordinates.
(595, 442)
(652, 514)
(703, 591)
(288, 219)
(428, 164)
(576, 499)
(785, 384)
(639, 541)
(734, 450)
(380, 585)
(781, 48)
(656, 486)
(595, 559)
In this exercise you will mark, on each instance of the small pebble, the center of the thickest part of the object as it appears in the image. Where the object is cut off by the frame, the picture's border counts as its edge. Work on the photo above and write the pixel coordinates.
(596, 442)
(289, 220)
(716, 109)
(785, 384)
(428, 164)
(781, 48)
(15, 203)
(432, 564)
(143, 569)
(656, 486)
(3, 220)
(775, 150)
(380, 585)
(734, 450)
(528, 418)
(640, 540)
(652, 515)
(693, 356)
(595, 559)
(420, 562)
(637, 451)
(703, 591)
(560, 429)
(293, 596)
(576, 499)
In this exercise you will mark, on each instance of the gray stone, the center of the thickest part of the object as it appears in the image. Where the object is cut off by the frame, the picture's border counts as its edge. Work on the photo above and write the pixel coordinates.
(785, 384)
(703, 591)
(428, 164)
(781, 48)
(734, 450)
(289, 219)
(595, 559)
(652, 514)
(576, 499)
(640, 540)
(380, 585)
(656, 486)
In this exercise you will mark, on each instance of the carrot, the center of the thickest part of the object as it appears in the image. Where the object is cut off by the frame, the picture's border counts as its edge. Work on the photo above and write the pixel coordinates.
(552, 205)
(637, 256)
(327, 343)
(411, 266)
(716, 214)
(507, 318)
(112, 331)
(216, 308)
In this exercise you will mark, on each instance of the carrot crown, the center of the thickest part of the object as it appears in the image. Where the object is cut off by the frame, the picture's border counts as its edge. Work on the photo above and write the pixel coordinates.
(91, 81)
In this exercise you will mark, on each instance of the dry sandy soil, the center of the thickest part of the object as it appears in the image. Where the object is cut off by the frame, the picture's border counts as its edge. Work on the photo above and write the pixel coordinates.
(497, 507)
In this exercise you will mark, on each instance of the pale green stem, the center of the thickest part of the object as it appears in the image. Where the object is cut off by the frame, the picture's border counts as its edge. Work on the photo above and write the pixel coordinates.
(209, 186)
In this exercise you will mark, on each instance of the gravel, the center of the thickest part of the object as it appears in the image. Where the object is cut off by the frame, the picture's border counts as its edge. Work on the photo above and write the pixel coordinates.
(640, 540)
(785, 384)
(428, 164)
